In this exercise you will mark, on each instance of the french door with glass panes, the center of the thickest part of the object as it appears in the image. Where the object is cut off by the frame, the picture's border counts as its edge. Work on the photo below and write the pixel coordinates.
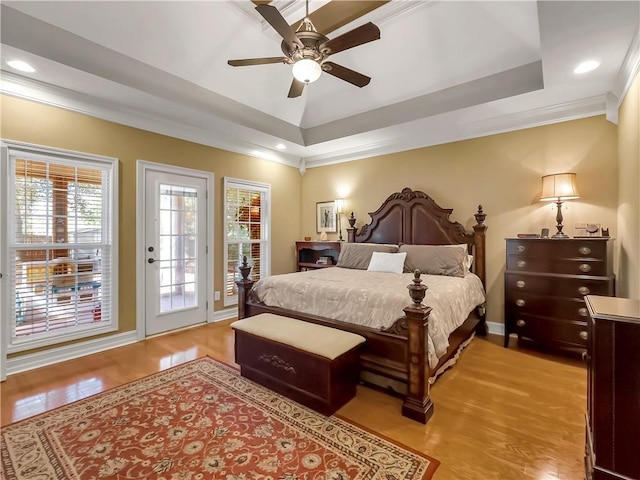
(175, 251)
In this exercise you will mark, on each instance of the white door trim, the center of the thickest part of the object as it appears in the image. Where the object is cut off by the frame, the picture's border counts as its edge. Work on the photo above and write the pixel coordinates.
(141, 168)
(4, 259)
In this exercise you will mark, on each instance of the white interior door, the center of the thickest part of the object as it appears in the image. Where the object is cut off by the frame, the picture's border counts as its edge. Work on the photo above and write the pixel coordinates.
(175, 249)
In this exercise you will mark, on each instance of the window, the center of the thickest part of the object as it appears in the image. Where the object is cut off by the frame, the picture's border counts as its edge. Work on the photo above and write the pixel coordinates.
(247, 222)
(62, 245)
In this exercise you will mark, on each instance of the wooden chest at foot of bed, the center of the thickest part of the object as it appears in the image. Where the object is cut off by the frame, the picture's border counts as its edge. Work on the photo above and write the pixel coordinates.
(314, 365)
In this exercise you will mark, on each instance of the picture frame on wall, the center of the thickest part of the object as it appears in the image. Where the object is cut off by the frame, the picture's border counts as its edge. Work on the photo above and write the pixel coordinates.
(326, 217)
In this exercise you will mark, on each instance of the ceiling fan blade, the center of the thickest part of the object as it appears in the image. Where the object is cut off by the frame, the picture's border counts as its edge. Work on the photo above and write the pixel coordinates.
(296, 88)
(358, 36)
(279, 24)
(346, 74)
(256, 61)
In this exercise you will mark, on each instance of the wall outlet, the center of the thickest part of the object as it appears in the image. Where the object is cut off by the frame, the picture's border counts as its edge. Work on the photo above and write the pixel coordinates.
(216, 295)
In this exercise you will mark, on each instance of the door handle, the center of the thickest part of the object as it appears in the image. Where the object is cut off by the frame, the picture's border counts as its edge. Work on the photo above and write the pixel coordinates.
(151, 260)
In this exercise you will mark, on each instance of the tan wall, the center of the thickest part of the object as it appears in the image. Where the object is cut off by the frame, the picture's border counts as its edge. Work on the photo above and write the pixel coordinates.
(502, 172)
(44, 125)
(629, 193)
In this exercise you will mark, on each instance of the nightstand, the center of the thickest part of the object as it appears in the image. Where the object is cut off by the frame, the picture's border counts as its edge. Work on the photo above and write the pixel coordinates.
(545, 284)
(311, 255)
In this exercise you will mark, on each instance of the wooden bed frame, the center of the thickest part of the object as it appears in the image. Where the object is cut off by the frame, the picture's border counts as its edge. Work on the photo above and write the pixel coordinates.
(399, 353)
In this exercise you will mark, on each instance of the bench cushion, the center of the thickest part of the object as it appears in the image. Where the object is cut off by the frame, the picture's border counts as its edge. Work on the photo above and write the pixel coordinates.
(317, 339)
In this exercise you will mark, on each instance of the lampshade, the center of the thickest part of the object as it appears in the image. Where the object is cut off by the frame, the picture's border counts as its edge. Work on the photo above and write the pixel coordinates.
(306, 70)
(559, 186)
(339, 205)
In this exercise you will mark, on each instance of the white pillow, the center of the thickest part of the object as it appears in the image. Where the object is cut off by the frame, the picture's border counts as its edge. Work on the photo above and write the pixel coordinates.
(387, 262)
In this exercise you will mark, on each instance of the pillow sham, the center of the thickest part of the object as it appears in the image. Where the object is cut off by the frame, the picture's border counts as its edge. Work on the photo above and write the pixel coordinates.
(435, 259)
(469, 258)
(358, 255)
(387, 262)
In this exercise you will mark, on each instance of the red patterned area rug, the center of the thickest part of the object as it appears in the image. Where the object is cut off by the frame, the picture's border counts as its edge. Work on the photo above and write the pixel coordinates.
(199, 421)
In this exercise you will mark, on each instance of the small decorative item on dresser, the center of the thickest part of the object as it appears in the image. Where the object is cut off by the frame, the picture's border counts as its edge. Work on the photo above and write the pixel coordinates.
(545, 282)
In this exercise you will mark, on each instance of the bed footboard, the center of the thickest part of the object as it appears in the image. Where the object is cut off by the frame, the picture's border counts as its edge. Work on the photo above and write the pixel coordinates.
(402, 358)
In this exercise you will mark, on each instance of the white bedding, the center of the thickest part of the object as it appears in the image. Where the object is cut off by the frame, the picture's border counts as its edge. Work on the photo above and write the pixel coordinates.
(375, 299)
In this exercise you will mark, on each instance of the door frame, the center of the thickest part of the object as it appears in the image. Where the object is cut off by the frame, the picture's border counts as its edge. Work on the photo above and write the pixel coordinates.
(142, 166)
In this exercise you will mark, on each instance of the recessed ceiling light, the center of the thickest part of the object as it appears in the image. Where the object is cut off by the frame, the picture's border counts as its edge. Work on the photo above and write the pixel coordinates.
(281, 146)
(20, 65)
(587, 66)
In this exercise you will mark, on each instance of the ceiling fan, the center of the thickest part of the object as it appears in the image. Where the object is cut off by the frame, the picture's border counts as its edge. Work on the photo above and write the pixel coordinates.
(307, 50)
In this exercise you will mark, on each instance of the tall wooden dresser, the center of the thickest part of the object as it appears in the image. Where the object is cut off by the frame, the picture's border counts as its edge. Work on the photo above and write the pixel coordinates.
(612, 447)
(545, 283)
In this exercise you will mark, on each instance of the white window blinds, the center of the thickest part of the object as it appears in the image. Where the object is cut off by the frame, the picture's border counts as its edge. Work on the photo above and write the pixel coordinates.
(247, 207)
(61, 246)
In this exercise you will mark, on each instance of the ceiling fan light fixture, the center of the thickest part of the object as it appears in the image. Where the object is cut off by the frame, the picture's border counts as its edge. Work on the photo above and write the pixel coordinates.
(306, 70)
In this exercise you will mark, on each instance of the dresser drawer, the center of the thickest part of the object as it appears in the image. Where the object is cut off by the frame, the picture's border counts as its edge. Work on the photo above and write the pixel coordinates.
(562, 308)
(568, 249)
(575, 287)
(567, 266)
(549, 331)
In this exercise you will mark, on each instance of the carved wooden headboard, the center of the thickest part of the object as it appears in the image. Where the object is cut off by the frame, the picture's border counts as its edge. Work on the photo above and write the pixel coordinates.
(413, 217)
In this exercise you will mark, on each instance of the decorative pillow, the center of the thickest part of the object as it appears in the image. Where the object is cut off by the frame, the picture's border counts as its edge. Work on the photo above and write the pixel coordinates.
(469, 258)
(387, 262)
(358, 255)
(435, 259)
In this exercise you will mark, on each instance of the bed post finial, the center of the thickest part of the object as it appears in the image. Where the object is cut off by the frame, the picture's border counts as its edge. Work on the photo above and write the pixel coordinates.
(352, 230)
(480, 215)
(244, 285)
(417, 291)
(245, 268)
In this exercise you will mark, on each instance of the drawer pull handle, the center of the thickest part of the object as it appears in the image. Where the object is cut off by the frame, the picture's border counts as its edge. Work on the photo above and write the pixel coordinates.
(521, 248)
(520, 284)
(584, 250)
(520, 322)
(584, 267)
(520, 302)
(584, 290)
(521, 263)
(583, 312)
(584, 335)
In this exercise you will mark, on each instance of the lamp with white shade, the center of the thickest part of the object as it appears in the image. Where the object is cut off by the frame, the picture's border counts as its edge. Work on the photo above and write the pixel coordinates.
(559, 187)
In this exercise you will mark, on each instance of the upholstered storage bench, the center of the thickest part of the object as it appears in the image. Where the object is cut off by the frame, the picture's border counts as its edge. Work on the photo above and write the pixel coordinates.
(314, 365)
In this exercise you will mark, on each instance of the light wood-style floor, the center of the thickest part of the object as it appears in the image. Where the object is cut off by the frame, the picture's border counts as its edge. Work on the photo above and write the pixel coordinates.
(499, 414)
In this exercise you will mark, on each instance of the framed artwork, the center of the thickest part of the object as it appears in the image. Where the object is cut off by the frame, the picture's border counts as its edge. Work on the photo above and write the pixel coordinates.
(326, 217)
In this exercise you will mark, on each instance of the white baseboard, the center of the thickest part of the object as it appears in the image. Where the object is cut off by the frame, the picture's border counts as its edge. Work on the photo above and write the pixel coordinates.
(50, 356)
(495, 328)
(226, 314)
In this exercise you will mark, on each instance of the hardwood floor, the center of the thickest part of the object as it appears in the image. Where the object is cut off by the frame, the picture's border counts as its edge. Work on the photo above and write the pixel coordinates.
(499, 413)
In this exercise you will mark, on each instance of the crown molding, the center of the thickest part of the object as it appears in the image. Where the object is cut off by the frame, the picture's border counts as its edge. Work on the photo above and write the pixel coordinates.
(628, 71)
(408, 136)
(450, 129)
(33, 90)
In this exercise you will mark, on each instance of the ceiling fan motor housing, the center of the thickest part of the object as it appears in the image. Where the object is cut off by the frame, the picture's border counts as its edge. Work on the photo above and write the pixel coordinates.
(311, 50)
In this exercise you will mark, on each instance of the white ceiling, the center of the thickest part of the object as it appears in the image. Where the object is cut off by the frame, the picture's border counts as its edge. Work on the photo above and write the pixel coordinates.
(442, 71)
